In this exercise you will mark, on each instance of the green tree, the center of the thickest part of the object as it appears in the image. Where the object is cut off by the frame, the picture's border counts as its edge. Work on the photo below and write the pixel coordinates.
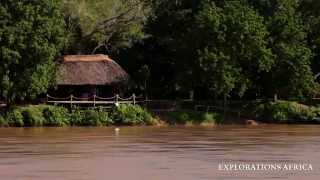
(103, 25)
(235, 47)
(31, 36)
(170, 29)
(230, 47)
(291, 76)
(310, 13)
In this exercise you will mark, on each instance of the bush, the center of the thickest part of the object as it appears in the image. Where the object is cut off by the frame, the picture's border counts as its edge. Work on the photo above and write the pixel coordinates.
(183, 117)
(316, 111)
(191, 118)
(32, 116)
(96, 118)
(104, 118)
(14, 117)
(38, 115)
(56, 116)
(131, 115)
(3, 122)
(211, 118)
(286, 112)
(44, 115)
(76, 117)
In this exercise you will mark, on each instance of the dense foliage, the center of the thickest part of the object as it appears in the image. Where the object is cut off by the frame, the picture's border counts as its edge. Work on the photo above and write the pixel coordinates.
(131, 115)
(291, 73)
(172, 49)
(103, 25)
(235, 48)
(31, 37)
(192, 118)
(56, 116)
(287, 112)
(216, 49)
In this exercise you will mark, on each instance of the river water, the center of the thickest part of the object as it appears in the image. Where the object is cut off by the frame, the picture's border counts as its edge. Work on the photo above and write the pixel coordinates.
(158, 153)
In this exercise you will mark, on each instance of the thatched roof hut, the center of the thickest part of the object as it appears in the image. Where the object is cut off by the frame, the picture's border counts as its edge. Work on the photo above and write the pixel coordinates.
(89, 70)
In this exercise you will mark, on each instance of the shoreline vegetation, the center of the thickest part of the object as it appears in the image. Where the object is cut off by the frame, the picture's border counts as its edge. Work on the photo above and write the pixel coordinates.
(280, 112)
(57, 116)
(122, 115)
(286, 112)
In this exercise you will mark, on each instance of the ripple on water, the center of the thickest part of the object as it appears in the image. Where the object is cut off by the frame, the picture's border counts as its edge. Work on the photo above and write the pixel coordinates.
(155, 153)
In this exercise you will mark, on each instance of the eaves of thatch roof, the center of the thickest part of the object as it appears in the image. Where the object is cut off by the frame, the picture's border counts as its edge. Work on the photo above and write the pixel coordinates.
(89, 70)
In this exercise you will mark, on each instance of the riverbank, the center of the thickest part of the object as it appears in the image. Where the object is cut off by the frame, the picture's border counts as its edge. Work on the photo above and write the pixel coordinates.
(280, 112)
(189, 118)
(57, 116)
(285, 112)
(122, 115)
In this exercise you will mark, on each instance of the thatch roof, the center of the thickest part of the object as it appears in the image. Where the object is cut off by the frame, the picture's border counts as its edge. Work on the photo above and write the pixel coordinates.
(89, 70)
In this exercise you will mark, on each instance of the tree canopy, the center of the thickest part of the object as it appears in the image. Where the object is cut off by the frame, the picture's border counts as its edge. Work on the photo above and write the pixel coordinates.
(234, 48)
(103, 25)
(291, 73)
(209, 48)
(31, 37)
(235, 51)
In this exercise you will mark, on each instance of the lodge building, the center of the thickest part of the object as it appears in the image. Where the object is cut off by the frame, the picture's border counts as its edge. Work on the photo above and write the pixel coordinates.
(87, 75)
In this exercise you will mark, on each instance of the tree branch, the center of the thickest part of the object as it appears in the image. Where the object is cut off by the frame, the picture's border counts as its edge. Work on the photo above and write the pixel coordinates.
(112, 21)
(104, 43)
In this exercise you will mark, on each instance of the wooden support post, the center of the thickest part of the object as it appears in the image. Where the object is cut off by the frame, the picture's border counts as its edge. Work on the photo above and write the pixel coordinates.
(94, 100)
(146, 102)
(134, 99)
(117, 99)
(71, 99)
(47, 98)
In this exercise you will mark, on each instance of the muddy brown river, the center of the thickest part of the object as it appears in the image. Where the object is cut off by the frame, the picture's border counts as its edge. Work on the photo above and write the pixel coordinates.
(161, 153)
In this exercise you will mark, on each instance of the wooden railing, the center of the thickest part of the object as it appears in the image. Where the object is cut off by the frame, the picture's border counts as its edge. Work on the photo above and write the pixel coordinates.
(93, 100)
